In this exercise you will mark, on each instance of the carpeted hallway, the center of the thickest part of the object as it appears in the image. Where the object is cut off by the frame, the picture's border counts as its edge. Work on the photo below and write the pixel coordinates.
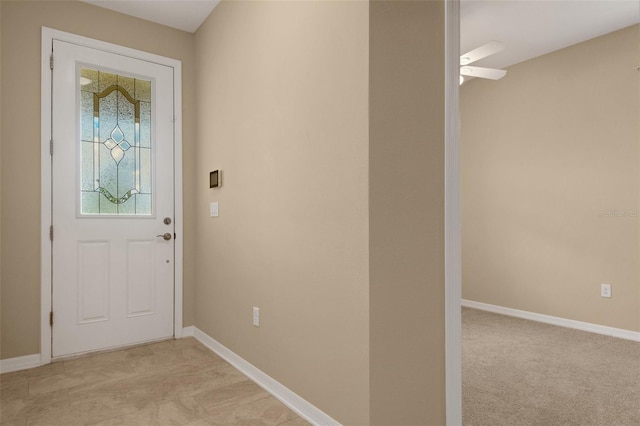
(519, 372)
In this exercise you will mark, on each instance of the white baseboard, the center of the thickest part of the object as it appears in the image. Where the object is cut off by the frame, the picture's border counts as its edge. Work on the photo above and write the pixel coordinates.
(19, 363)
(300, 406)
(188, 331)
(548, 319)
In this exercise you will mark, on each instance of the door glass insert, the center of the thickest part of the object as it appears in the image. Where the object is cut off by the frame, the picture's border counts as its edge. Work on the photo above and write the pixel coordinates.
(115, 154)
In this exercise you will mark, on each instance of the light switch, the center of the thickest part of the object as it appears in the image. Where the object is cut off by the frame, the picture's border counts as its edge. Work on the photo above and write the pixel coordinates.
(213, 209)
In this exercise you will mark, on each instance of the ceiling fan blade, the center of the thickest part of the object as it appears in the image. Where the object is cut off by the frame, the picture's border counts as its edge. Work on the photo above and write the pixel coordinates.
(481, 52)
(490, 73)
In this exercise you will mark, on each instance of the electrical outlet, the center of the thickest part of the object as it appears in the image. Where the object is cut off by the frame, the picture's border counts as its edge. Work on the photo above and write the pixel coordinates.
(256, 316)
(605, 290)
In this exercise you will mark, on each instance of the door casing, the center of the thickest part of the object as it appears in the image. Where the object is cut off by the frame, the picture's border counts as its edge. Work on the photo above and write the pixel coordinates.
(48, 35)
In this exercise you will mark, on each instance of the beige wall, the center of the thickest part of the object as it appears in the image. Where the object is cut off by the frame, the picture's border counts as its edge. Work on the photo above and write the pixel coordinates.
(406, 190)
(20, 132)
(0, 182)
(286, 89)
(283, 112)
(548, 154)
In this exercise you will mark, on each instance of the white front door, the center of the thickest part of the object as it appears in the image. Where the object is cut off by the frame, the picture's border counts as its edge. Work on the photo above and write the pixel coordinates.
(112, 200)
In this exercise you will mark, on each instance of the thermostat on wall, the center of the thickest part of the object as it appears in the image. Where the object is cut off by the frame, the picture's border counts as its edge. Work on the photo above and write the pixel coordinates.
(214, 179)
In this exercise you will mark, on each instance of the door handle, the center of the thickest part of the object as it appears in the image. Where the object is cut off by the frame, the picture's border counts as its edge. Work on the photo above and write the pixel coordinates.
(166, 236)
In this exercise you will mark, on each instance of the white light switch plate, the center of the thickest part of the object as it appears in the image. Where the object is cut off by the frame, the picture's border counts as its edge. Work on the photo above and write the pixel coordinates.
(213, 209)
(256, 316)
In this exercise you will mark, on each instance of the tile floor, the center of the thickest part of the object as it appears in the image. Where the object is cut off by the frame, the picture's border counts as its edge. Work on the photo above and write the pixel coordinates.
(176, 382)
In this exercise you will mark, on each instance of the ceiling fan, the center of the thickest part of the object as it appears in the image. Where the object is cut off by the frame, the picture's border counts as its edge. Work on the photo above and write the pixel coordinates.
(477, 54)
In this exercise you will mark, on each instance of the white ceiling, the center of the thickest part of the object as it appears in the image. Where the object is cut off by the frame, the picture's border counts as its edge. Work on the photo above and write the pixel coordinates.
(529, 28)
(185, 15)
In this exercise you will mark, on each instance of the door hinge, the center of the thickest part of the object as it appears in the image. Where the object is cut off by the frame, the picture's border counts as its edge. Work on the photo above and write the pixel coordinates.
(51, 147)
(51, 318)
(51, 61)
(51, 232)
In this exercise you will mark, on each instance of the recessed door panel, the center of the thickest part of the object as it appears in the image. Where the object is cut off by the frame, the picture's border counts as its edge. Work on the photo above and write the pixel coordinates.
(93, 281)
(141, 278)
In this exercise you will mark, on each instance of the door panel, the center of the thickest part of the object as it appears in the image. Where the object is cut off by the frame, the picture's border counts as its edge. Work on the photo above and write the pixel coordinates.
(141, 278)
(93, 281)
(112, 172)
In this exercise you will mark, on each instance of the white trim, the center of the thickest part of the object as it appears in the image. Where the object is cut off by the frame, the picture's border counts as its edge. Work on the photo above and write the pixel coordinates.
(48, 35)
(178, 219)
(300, 406)
(188, 331)
(19, 363)
(45, 197)
(548, 319)
(452, 227)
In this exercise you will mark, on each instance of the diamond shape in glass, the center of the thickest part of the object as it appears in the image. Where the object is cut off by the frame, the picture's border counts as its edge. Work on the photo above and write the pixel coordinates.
(117, 153)
(110, 143)
(117, 135)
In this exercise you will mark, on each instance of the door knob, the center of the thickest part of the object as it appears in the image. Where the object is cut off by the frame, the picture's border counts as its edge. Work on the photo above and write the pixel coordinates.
(166, 236)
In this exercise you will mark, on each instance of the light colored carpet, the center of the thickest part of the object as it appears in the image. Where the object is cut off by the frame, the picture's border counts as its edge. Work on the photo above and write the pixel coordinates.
(519, 372)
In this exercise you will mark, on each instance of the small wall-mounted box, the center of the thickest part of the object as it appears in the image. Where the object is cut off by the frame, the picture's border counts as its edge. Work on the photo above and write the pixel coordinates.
(214, 179)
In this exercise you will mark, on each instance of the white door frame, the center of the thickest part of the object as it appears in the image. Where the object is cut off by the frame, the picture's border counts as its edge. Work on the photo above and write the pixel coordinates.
(48, 35)
(452, 231)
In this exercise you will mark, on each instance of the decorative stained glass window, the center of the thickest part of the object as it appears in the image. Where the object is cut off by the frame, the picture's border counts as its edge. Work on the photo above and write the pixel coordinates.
(115, 154)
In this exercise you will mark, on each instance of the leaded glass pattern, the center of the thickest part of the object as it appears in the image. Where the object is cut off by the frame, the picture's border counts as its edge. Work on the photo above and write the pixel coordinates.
(115, 154)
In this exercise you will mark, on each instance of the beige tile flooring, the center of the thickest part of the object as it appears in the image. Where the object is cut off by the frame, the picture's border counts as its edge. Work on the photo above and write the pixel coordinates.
(175, 382)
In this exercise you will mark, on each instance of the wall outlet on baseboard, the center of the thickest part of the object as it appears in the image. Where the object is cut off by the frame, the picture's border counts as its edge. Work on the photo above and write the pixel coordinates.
(605, 290)
(256, 316)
